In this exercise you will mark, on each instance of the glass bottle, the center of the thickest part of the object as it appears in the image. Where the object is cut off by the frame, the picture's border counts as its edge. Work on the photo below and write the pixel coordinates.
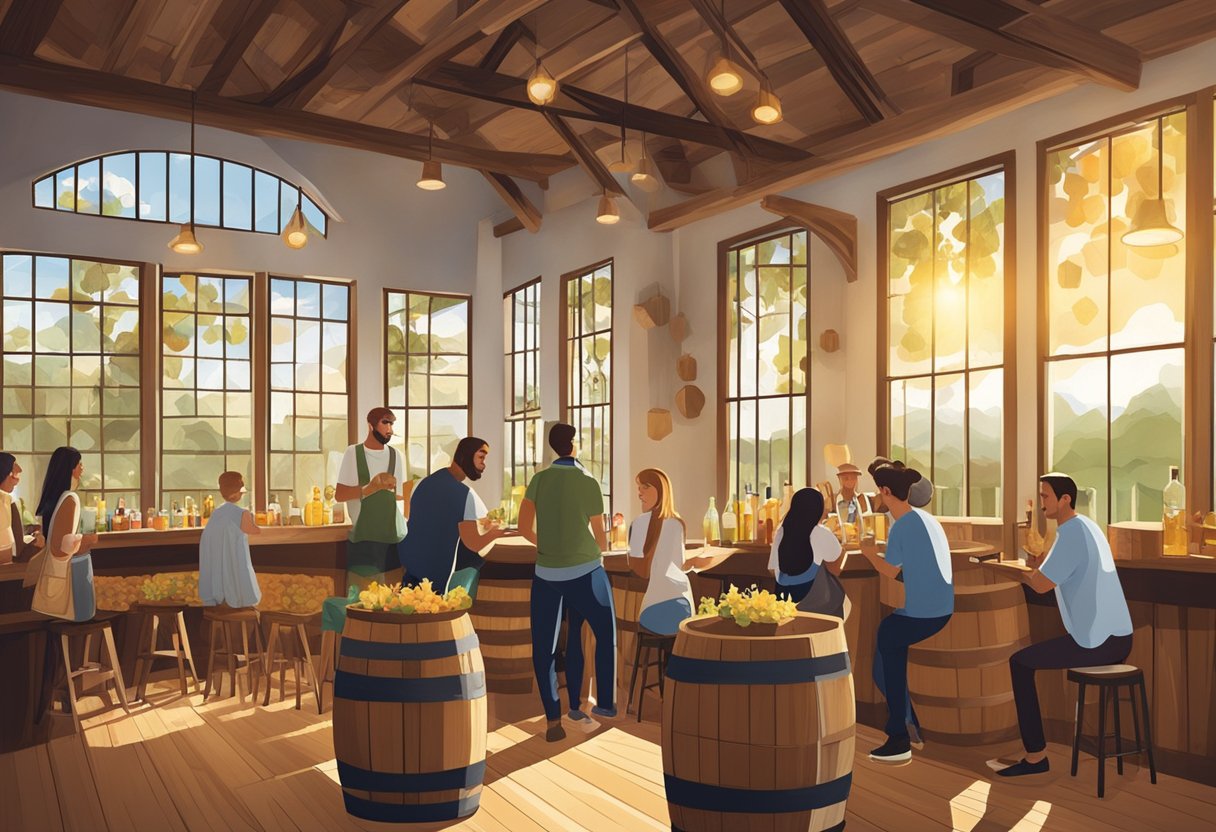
(730, 522)
(189, 513)
(179, 516)
(709, 526)
(1173, 520)
(274, 512)
(327, 506)
(314, 509)
(749, 519)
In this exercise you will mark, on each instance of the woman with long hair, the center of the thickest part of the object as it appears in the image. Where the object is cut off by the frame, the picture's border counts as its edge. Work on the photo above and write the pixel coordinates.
(14, 544)
(65, 572)
(656, 553)
(802, 545)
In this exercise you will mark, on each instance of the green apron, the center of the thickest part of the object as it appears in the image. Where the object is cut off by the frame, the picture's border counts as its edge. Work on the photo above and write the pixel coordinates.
(380, 525)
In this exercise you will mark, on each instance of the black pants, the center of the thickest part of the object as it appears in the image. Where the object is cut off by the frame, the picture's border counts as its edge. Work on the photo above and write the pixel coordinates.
(1054, 654)
(896, 634)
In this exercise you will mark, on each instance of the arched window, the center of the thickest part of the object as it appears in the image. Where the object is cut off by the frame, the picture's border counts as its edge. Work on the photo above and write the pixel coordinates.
(154, 185)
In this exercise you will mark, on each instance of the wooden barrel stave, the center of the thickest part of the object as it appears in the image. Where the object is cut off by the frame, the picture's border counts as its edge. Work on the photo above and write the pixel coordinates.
(627, 593)
(396, 742)
(789, 736)
(501, 617)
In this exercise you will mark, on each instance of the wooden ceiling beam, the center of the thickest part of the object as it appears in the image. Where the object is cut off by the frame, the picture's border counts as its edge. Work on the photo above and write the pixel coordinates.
(1020, 29)
(509, 91)
(135, 27)
(829, 40)
(587, 159)
(503, 45)
(876, 141)
(486, 17)
(26, 25)
(508, 227)
(239, 21)
(721, 27)
(837, 229)
(525, 211)
(83, 86)
(300, 89)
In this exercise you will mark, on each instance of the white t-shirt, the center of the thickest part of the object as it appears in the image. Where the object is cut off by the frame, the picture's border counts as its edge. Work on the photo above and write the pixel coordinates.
(474, 508)
(825, 548)
(377, 463)
(667, 578)
(1088, 591)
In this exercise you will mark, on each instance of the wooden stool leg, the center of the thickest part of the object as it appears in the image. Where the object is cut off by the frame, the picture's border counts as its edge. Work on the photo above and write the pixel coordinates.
(645, 672)
(210, 660)
(327, 661)
(260, 668)
(248, 669)
(232, 690)
(66, 643)
(1101, 740)
(633, 677)
(181, 662)
(1079, 716)
(1131, 699)
(141, 679)
(140, 659)
(272, 647)
(1148, 731)
(120, 686)
(1118, 738)
(181, 629)
(312, 670)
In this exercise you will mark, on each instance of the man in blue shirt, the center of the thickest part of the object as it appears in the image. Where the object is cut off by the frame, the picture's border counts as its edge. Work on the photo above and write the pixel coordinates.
(917, 549)
(1081, 569)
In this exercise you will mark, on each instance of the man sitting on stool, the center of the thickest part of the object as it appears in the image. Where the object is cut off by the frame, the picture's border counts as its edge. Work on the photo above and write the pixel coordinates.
(1081, 569)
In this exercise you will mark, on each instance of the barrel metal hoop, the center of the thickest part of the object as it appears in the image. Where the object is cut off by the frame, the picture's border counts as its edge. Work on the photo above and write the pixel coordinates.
(363, 688)
(411, 812)
(465, 777)
(775, 672)
(714, 798)
(393, 651)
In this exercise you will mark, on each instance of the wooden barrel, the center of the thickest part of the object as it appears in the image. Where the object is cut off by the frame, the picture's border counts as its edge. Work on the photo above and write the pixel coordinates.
(758, 730)
(501, 616)
(860, 583)
(627, 592)
(410, 717)
(959, 678)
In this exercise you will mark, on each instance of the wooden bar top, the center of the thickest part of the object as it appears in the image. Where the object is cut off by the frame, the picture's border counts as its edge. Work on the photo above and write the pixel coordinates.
(269, 536)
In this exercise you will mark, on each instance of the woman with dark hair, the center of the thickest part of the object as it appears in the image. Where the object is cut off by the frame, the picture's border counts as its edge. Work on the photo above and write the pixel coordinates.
(64, 571)
(802, 545)
(14, 543)
(918, 554)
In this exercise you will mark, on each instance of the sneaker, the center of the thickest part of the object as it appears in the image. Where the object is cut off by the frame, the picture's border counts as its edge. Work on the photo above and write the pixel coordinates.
(606, 713)
(555, 732)
(581, 721)
(914, 737)
(894, 750)
(1022, 768)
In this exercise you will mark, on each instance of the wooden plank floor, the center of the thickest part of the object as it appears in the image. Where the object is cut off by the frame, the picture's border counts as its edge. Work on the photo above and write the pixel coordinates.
(183, 765)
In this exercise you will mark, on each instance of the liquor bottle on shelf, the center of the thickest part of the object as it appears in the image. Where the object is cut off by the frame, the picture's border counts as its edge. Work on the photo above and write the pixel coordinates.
(121, 521)
(136, 520)
(730, 522)
(771, 509)
(620, 532)
(189, 513)
(749, 518)
(314, 509)
(295, 515)
(208, 507)
(709, 526)
(1034, 540)
(327, 506)
(274, 512)
(757, 521)
(179, 516)
(102, 524)
(1173, 517)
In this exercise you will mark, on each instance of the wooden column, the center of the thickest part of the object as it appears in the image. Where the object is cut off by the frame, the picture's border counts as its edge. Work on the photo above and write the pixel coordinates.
(150, 373)
(1197, 397)
(260, 445)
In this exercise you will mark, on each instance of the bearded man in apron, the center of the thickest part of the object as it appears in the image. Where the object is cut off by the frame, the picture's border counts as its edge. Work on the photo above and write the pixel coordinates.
(370, 481)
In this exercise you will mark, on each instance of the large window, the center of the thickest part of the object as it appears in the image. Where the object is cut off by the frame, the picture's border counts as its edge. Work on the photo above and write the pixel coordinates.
(155, 186)
(427, 375)
(207, 405)
(1114, 358)
(765, 305)
(587, 371)
(944, 351)
(309, 387)
(71, 370)
(524, 425)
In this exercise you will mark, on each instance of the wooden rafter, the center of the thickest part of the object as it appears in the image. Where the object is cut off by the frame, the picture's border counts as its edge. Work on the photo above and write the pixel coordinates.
(876, 141)
(525, 211)
(852, 76)
(93, 89)
(711, 14)
(135, 26)
(508, 227)
(837, 229)
(26, 24)
(503, 45)
(181, 59)
(1023, 30)
(300, 89)
(486, 17)
(587, 159)
(240, 21)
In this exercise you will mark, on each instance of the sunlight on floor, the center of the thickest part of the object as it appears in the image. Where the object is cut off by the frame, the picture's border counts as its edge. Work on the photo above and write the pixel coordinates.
(1035, 818)
(969, 806)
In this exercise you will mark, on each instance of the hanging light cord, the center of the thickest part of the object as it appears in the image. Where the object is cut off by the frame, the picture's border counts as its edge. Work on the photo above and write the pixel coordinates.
(193, 97)
(1160, 160)
(625, 105)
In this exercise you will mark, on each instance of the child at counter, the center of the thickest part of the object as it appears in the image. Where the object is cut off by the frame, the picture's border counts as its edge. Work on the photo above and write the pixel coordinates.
(802, 545)
(225, 567)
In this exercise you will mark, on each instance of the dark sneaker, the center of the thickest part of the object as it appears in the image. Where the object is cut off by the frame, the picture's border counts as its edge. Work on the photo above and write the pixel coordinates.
(894, 750)
(914, 737)
(581, 721)
(606, 713)
(1023, 768)
(555, 732)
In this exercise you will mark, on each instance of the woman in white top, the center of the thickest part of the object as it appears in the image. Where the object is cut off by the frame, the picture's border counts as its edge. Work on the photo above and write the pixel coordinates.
(802, 545)
(656, 552)
(14, 543)
(64, 572)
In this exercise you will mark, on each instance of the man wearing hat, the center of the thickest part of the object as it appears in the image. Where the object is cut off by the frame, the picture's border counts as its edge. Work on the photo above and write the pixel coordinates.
(851, 504)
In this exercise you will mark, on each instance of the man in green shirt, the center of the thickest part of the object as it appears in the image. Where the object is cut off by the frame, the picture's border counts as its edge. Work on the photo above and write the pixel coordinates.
(567, 506)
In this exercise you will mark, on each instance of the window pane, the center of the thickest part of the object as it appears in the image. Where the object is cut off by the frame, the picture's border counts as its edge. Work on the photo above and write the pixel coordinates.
(206, 190)
(238, 196)
(1077, 420)
(589, 346)
(313, 215)
(65, 189)
(1146, 390)
(179, 187)
(44, 192)
(289, 198)
(265, 202)
(118, 185)
(88, 187)
(153, 193)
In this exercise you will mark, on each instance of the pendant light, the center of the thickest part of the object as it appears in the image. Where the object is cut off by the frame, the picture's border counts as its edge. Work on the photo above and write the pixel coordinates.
(606, 213)
(724, 76)
(1151, 225)
(644, 177)
(542, 86)
(295, 234)
(432, 170)
(768, 105)
(621, 165)
(185, 242)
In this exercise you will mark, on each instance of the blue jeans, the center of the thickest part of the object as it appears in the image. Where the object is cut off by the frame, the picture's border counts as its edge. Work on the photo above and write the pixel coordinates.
(588, 599)
(896, 633)
(664, 617)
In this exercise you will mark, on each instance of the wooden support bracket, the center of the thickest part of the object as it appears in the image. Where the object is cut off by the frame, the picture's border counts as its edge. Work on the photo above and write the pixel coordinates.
(836, 228)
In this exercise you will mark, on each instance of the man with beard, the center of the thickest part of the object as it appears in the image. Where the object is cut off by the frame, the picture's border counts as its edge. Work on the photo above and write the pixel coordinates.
(444, 536)
(370, 482)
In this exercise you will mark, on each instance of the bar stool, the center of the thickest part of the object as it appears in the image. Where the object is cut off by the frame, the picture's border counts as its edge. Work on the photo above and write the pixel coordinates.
(287, 644)
(223, 619)
(652, 649)
(331, 642)
(149, 643)
(69, 631)
(1108, 679)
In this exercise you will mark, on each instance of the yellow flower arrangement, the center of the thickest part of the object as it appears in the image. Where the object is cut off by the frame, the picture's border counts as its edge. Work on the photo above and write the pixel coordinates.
(411, 600)
(749, 606)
